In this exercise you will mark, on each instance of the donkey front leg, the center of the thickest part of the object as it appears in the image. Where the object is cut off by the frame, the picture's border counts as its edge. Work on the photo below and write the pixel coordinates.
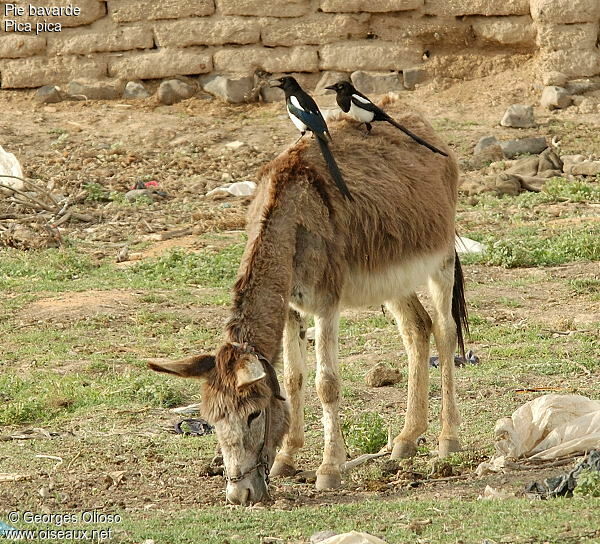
(294, 380)
(414, 324)
(328, 389)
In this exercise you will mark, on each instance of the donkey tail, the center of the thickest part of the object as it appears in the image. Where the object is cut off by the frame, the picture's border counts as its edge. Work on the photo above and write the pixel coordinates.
(459, 306)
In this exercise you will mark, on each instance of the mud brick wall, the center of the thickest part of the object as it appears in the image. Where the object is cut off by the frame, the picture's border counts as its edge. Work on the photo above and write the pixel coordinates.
(149, 39)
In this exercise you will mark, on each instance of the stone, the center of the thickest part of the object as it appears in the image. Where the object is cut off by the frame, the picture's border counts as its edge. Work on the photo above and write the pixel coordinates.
(321, 535)
(316, 29)
(274, 94)
(485, 141)
(565, 11)
(368, 55)
(554, 78)
(586, 168)
(522, 146)
(207, 31)
(413, 76)
(554, 98)
(79, 41)
(582, 86)
(455, 8)
(173, 91)
(95, 89)
(126, 11)
(505, 30)
(135, 89)
(376, 82)
(14, 46)
(381, 375)
(272, 59)
(48, 94)
(487, 156)
(573, 63)
(338, 6)
(233, 89)
(575, 36)
(329, 78)
(161, 63)
(518, 116)
(423, 31)
(587, 106)
(38, 71)
(260, 8)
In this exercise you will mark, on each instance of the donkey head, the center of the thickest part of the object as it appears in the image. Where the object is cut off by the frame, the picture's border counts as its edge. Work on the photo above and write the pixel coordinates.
(241, 398)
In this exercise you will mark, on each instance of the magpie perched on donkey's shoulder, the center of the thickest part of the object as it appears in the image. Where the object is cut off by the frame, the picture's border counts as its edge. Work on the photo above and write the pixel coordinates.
(306, 116)
(359, 107)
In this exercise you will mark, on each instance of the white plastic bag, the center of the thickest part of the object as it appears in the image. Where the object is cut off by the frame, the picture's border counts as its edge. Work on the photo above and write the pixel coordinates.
(9, 166)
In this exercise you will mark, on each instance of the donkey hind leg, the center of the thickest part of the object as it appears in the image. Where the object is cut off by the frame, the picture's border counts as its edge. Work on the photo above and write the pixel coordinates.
(414, 325)
(444, 331)
(294, 380)
(328, 390)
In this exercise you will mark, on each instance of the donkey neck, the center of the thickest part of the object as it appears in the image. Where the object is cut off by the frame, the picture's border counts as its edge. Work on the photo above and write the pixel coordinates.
(263, 286)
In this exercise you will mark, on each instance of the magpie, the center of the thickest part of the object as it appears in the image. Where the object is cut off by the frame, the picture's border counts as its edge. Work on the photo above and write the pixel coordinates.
(306, 116)
(359, 107)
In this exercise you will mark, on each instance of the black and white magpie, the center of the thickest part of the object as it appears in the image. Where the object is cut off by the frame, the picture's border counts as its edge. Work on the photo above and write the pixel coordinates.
(306, 116)
(359, 107)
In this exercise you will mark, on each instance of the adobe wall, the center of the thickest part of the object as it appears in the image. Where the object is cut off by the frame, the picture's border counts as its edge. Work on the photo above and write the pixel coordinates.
(139, 39)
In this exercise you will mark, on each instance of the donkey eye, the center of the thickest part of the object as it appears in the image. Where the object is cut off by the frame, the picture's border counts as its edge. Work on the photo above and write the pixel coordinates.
(252, 417)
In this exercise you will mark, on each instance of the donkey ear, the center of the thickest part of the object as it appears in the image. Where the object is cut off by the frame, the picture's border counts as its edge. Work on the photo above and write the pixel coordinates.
(198, 366)
(249, 372)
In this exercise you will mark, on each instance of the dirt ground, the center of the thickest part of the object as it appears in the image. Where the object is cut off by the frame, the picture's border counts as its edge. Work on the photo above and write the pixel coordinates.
(182, 147)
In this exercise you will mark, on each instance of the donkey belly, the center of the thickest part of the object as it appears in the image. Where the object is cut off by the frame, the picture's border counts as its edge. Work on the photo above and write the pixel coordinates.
(363, 288)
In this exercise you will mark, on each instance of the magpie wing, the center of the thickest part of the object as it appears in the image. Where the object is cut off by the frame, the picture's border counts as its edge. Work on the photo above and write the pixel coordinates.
(312, 119)
(361, 101)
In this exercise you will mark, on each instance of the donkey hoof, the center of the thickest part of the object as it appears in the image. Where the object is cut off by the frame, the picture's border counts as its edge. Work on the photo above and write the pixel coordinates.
(282, 469)
(404, 449)
(448, 446)
(328, 481)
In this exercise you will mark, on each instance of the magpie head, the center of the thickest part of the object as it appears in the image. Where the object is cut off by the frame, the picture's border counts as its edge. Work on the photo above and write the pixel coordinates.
(342, 87)
(287, 82)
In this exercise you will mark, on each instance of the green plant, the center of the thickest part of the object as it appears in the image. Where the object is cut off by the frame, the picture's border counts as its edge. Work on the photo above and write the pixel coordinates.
(588, 484)
(366, 433)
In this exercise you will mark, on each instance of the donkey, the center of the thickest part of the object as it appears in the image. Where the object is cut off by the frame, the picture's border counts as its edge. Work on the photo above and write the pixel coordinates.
(311, 251)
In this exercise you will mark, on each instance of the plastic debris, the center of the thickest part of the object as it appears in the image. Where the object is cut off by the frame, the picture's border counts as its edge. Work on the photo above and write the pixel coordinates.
(193, 427)
(5, 529)
(564, 485)
(10, 166)
(470, 358)
(464, 246)
(240, 188)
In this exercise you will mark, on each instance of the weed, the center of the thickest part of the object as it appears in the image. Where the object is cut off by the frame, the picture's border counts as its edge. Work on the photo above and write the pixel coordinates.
(366, 433)
(588, 484)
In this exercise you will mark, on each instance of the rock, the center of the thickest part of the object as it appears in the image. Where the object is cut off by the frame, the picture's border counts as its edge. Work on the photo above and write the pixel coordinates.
(235, 145)
(587, 105)
(582, 86)
(136, 194)
(554, 78)
(321, 535)
(586, 168)
(233, 89)
(172, 91)
(134, 89)
(533, 146)
(485, 141)
(578, 100)
(413, 76)
(329, 78)
(487, 155)
(48, 94)
(376, 82)
(95, 89)
(518, 116)
(554, 97)
(381, 375)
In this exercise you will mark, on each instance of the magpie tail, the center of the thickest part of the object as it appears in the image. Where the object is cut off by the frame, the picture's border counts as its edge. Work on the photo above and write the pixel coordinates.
(459, 305)
(333, 168)
(415, 137)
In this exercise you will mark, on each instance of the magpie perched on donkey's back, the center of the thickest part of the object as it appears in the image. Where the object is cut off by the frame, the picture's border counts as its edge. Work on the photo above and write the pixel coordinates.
(306, 116)
(359, 107)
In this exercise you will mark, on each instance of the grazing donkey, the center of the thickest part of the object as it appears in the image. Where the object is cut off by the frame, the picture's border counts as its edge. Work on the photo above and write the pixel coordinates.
(310, 251)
